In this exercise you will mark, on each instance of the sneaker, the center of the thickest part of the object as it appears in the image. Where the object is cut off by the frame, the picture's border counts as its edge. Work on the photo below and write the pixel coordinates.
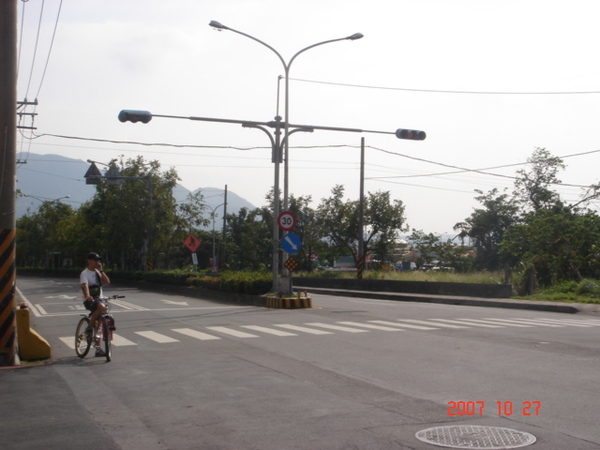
(100, 352)
(89, 329)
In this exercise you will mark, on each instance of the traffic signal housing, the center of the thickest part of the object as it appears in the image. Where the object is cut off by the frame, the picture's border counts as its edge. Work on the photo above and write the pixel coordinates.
(129, 115)
(413, 135)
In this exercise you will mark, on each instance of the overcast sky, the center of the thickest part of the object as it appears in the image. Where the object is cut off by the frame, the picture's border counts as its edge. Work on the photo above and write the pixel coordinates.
(489, 81)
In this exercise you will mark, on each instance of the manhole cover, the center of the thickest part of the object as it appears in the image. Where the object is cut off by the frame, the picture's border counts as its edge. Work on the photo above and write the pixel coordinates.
(475, 437)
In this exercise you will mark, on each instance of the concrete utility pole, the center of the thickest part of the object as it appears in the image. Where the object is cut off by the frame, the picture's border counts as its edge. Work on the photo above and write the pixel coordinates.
(8, 127)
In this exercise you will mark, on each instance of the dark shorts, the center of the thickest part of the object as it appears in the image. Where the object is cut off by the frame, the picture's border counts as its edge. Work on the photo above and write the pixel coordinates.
(91, 305)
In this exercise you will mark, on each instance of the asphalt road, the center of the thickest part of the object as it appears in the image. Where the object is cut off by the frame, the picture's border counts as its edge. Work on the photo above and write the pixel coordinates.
(350, 373)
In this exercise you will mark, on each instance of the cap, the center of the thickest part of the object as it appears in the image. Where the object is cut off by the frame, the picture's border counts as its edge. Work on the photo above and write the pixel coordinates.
(95, 256)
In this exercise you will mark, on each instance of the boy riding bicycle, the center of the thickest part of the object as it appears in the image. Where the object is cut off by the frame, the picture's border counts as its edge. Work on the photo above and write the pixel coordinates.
(92, 279)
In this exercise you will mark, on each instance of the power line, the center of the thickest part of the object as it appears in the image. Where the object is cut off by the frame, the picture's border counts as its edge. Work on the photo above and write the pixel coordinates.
(50, 49)
(441, 91)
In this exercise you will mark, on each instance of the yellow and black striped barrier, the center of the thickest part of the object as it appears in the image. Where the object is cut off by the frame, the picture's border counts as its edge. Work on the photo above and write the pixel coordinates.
(7, 298)
(288, 303)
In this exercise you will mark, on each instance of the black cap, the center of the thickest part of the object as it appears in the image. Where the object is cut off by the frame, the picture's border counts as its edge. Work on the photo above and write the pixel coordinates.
(95, 256)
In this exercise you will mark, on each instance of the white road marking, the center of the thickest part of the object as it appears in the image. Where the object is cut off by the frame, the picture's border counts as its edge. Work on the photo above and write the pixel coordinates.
(120, 341)
(504, 324)
(156, 337)
(268, 330)
(403, 325)
(435, 324)
(232, 332)
(470, 324)
(303, 329)
(69, 341)
(336, 327)
(525, 321)
(196, 334)
(374, 327)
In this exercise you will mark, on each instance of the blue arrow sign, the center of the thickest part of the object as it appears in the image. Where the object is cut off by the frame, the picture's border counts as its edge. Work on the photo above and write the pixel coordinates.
(291, 243)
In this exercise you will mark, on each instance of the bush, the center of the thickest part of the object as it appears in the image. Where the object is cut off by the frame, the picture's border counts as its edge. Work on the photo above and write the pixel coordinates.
(588, 287)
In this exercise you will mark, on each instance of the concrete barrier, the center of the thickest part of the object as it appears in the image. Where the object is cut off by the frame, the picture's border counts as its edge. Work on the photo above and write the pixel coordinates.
(31, 344)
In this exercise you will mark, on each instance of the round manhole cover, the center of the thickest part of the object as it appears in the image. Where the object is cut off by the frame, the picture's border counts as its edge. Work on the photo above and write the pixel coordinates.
(475, 437)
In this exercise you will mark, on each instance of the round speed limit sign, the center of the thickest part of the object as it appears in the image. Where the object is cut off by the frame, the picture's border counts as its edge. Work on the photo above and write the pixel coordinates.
(286, 220)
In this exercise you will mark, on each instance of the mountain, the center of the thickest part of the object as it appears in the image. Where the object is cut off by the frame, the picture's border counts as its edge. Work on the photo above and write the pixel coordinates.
(51, 177)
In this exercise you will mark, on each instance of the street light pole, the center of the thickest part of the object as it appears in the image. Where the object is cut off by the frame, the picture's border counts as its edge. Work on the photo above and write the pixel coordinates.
(212, 214)
(286, 135)
(286, 68)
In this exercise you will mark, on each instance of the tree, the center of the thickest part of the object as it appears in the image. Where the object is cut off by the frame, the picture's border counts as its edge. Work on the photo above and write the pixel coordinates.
(41, 236)
(339, 222)
(486, 227)
(435, 252)
(532, 187)
(558, 243)
(249, 240)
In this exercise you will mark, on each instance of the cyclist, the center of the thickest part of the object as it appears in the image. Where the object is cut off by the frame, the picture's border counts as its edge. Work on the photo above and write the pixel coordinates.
(92, 279)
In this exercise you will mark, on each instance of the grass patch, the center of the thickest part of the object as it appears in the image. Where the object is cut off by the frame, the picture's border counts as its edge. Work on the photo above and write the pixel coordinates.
(585, 291)
(411, 275)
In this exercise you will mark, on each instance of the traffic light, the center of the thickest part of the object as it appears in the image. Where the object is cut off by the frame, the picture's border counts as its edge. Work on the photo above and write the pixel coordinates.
(128, 115)
(414, 135)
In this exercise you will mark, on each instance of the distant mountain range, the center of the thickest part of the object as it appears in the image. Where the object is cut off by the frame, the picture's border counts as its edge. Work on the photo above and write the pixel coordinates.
(52, 177)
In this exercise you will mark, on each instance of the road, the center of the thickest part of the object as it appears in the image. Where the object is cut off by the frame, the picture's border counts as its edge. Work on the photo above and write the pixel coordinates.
(349, 373)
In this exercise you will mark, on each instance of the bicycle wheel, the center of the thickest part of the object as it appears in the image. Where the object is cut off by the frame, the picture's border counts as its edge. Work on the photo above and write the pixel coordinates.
(106, 338)
(83, 340)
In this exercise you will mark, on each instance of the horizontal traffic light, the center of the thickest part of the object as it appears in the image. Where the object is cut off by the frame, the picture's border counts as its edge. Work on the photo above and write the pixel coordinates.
(128, 115)
(414, 135)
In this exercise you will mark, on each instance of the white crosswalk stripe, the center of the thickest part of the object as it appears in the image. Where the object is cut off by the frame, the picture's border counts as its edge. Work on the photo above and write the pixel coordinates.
(433, 324)
(196, 334)
(336, 327)
(232, 332)
(573, 323)
(69, 341)
(404, 325)
(460, 322)
(373, 327)
(525, 321)
(492, 323)
(120, 341)
(303, 329)
(268, 330)
(322, 328)
(156, 337)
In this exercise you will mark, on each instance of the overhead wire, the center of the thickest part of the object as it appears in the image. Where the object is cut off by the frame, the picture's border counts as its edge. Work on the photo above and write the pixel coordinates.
(441, 91)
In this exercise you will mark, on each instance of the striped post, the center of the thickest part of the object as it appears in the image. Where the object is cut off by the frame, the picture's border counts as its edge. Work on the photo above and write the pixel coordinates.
(8, 133)
(7, 298)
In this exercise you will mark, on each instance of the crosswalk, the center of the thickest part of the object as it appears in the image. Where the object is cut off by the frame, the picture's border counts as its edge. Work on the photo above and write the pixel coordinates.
(212, 333)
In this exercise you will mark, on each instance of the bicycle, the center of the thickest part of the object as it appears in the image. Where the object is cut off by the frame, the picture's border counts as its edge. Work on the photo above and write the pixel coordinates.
(106, 326)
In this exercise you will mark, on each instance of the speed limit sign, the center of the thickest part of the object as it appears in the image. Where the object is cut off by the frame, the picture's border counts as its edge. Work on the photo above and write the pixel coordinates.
(286, 220)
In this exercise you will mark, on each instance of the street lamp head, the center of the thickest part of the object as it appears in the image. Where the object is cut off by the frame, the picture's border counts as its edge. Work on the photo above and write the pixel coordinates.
(355, 36)
(217, 25)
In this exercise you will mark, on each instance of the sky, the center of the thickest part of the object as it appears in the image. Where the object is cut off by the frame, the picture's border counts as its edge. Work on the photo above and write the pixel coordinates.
(488, 81)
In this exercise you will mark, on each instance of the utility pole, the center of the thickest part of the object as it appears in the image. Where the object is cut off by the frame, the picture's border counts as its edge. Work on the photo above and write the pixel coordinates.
(222, 250)
(360, 268)
(8, 127)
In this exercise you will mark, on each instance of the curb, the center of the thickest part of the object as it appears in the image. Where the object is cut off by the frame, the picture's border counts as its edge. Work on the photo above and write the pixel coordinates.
(456, 300)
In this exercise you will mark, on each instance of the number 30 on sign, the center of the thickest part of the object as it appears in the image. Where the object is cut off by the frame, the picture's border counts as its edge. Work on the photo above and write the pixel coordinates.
(286, 220)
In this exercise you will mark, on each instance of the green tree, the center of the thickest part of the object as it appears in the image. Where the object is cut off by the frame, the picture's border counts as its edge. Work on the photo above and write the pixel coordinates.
(533, 186)
(41, 236)
(249, 241)
(486, 227)
(339, 222)
(558, 243)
